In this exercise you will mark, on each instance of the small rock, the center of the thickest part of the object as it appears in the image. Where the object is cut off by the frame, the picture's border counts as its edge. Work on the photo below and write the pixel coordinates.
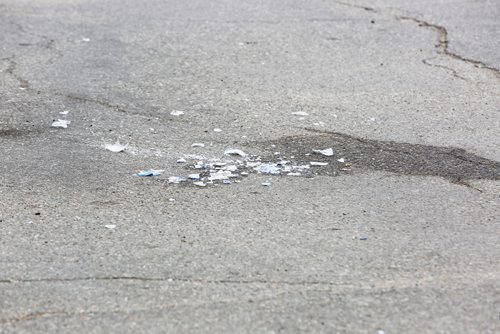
(327, 151)
(151, 172)
(235, 151)
(199, 184)
(116, 147)
(317, 163)
(60, 123)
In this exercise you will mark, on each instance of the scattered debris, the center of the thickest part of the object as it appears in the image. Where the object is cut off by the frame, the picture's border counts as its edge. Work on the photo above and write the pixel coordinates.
(85, 39)
(362, 238)
(110, 226)
(327, 151)
(176, 179)
(317, 163)
(238, 164)
(199, 184)
(171, 199)
(151, 172)
(116, 147)
(319, 123)
(268, 169)
(60, 123)
(177, 112)
(221, 175)
(217, 130)
(341, 160)
(300, 113)
(65, 112)
(235, 151)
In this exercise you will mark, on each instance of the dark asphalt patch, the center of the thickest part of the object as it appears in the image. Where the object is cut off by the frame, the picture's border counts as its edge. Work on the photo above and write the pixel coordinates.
(454, 164)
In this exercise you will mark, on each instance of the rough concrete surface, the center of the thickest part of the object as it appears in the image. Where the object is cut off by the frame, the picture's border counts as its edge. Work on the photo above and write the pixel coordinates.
(401, 236)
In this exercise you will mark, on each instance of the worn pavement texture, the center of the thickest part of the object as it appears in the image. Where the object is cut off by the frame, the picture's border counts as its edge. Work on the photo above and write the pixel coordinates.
(400, 237)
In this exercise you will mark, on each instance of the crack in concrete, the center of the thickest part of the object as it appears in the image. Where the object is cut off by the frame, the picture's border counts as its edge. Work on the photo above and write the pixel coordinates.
(341, 288)
(453, 71)
(443, 44)
(11, 69)
(49, 42)
(443, 40)
(168, 279)
(91, 100)
(64, 313)
(367, 8)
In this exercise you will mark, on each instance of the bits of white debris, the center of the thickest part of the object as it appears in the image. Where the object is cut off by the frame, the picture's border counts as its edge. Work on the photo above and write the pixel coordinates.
(116, 147)
(341, 160)
(151, 172)
(221, 175)
(200, 165)
(293, 174)
(327, 151)
(181, 161)
(197, 145)
(194, 176)
(235, 151)
(85, 39)
(217, 130)
(177, 112)
(300, 113)
(317, 163)
(65, 112)
(266, 184)
(199, 184)
(171, 199)
(110, 226)
(319, 123)
(244, 174)
(60, 123)
(231, 168)
(176, 179)
(268, 169)
(301, 167)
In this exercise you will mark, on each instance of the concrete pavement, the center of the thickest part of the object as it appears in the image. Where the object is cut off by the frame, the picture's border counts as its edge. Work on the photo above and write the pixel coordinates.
(401, 237)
